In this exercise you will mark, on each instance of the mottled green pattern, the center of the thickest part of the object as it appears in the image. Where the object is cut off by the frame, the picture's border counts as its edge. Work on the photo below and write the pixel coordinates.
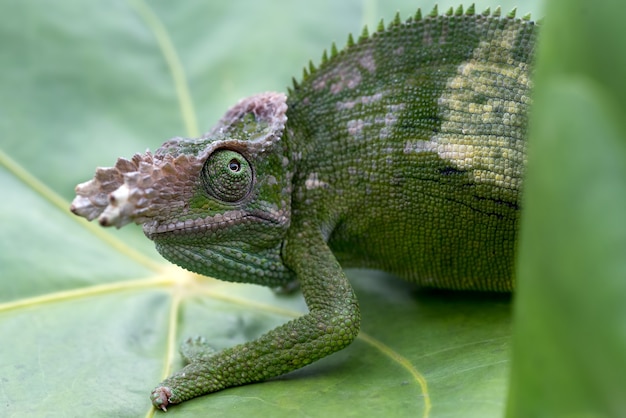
(404, 152)
(411, 153)
(407, 151)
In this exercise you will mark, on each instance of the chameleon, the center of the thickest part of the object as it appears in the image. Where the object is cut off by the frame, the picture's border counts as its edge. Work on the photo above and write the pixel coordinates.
(403, 152)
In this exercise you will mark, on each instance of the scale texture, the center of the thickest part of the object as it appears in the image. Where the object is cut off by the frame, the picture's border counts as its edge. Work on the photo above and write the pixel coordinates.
(403, 152)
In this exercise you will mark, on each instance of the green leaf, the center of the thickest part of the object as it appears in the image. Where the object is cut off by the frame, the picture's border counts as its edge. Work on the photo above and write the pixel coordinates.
(91, 319)
(570, 315)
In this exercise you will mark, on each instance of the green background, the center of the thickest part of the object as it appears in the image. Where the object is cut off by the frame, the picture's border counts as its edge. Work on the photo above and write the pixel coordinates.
(90, 319)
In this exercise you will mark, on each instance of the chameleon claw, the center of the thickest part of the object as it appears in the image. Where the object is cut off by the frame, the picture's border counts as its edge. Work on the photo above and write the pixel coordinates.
(160, 397)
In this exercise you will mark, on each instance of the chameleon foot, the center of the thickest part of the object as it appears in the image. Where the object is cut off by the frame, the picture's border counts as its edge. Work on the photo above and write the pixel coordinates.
(196, 349)
(160, 397)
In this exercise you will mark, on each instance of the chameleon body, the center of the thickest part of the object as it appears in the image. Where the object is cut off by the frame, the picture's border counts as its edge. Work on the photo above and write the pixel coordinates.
(404, 152)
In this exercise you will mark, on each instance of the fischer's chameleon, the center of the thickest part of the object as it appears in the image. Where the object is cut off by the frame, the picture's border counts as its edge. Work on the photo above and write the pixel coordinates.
(403, 152)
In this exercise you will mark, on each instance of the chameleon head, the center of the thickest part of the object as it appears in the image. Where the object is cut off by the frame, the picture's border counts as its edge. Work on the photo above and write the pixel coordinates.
(218, 205)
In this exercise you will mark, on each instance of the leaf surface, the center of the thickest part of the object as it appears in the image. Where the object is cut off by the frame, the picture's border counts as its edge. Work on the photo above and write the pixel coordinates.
(91, 319)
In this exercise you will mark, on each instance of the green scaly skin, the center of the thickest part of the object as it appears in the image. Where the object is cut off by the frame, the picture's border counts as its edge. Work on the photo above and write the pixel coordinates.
(404, 152)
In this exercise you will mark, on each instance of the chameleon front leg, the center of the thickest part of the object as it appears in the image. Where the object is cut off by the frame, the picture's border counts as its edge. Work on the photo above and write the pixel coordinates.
(332, 323)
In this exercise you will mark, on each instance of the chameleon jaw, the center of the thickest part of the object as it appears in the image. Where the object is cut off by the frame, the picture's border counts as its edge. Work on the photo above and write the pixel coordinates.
(154, 230)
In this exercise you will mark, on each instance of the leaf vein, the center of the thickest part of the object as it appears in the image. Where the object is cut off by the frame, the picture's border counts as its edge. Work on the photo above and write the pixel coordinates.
(405, 363)
(56, 200)
(172, 59)
(86, 292)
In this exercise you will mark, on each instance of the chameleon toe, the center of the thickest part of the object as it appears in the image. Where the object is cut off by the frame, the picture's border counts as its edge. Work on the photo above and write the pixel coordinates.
(160, 397)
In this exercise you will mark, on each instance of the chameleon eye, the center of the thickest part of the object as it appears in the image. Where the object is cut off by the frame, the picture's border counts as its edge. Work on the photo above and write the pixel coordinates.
(227, 176)
(234, 166)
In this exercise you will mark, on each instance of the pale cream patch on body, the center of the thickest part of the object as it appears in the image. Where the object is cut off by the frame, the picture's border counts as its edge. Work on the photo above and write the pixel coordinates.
(350, 80)
(364, 100)
(355, 127)
(496, 155)
(346, 75)
(384, 123)
(313, 182)
(390, 120)
(368, 62)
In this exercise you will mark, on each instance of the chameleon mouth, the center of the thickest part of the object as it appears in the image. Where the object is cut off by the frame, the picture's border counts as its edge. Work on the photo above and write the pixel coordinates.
(155, 230)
